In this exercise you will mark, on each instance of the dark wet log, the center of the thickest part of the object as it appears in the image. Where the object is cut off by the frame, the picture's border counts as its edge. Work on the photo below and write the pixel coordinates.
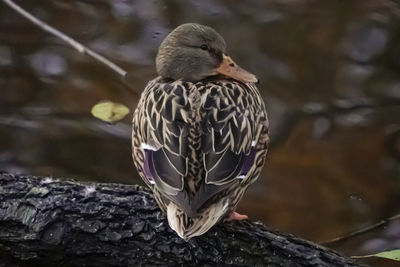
(63, 222)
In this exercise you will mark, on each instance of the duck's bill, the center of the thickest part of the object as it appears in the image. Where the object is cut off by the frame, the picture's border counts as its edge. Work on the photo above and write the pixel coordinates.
(229, 68)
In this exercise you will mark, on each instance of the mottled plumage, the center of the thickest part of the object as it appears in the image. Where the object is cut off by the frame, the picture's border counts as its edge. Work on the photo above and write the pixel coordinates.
(199, 144)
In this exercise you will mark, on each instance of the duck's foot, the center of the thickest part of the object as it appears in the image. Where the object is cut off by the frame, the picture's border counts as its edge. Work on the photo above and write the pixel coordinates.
(234, 216)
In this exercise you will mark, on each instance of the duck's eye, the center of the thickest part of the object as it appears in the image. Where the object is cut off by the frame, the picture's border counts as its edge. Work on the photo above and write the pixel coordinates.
(204, 47)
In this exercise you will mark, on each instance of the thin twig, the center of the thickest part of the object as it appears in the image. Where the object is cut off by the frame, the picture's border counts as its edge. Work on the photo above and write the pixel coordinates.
(363, 230)
(78, 46)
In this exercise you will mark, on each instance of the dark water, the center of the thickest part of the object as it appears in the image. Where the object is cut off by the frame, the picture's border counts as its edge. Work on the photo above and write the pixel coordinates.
(330, 75)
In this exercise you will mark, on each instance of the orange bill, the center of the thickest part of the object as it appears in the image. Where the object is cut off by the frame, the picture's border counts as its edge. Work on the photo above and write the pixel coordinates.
(229, 68)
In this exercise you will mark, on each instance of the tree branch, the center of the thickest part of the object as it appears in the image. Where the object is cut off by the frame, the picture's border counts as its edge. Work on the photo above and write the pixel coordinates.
(51, 222)
(78, 46)
(362, 230)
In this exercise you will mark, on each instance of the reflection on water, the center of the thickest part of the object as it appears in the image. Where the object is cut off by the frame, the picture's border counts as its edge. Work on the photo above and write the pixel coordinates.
(330, 78)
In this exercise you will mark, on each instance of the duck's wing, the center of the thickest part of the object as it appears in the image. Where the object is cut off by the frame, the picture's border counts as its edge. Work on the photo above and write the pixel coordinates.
(161, 138)
(235, 138)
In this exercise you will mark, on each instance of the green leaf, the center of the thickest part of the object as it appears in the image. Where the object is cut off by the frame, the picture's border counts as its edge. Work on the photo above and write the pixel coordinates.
(109, 111)
(392, 254)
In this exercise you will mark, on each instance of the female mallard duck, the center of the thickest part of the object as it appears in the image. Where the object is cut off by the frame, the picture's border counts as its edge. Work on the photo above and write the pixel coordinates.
(200, 131)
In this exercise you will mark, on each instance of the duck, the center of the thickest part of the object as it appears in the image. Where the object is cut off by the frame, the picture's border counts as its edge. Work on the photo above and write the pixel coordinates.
(199, 131)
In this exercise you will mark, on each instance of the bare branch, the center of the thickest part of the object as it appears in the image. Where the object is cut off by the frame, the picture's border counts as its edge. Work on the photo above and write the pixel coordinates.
(78, 46)
(363, 230)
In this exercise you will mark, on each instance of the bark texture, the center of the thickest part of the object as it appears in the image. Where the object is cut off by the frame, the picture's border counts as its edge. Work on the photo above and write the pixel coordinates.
(59, 222)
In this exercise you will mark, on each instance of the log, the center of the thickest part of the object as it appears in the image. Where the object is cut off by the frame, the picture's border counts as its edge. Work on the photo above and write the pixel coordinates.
(62, 222)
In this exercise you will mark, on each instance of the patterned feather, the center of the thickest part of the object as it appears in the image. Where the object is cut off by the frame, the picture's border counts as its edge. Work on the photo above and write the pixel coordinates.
(198, 146)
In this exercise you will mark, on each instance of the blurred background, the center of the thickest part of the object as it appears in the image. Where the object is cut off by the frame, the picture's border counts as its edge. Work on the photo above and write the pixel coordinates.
(330, 77)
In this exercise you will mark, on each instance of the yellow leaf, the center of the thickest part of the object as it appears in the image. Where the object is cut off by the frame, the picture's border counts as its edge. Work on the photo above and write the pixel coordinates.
(109, 111)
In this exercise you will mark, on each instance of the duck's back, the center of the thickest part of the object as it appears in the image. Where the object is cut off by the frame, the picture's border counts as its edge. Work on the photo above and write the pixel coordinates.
(196, 144)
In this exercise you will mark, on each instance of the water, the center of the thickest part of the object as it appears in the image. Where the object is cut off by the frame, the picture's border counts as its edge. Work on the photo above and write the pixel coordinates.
(329, 74)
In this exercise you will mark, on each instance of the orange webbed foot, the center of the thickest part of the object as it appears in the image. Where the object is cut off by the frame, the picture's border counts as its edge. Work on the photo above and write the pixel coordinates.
(234, 216)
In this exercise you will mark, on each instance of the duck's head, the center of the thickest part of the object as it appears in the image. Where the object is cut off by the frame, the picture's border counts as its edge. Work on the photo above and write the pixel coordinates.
(193, 52)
